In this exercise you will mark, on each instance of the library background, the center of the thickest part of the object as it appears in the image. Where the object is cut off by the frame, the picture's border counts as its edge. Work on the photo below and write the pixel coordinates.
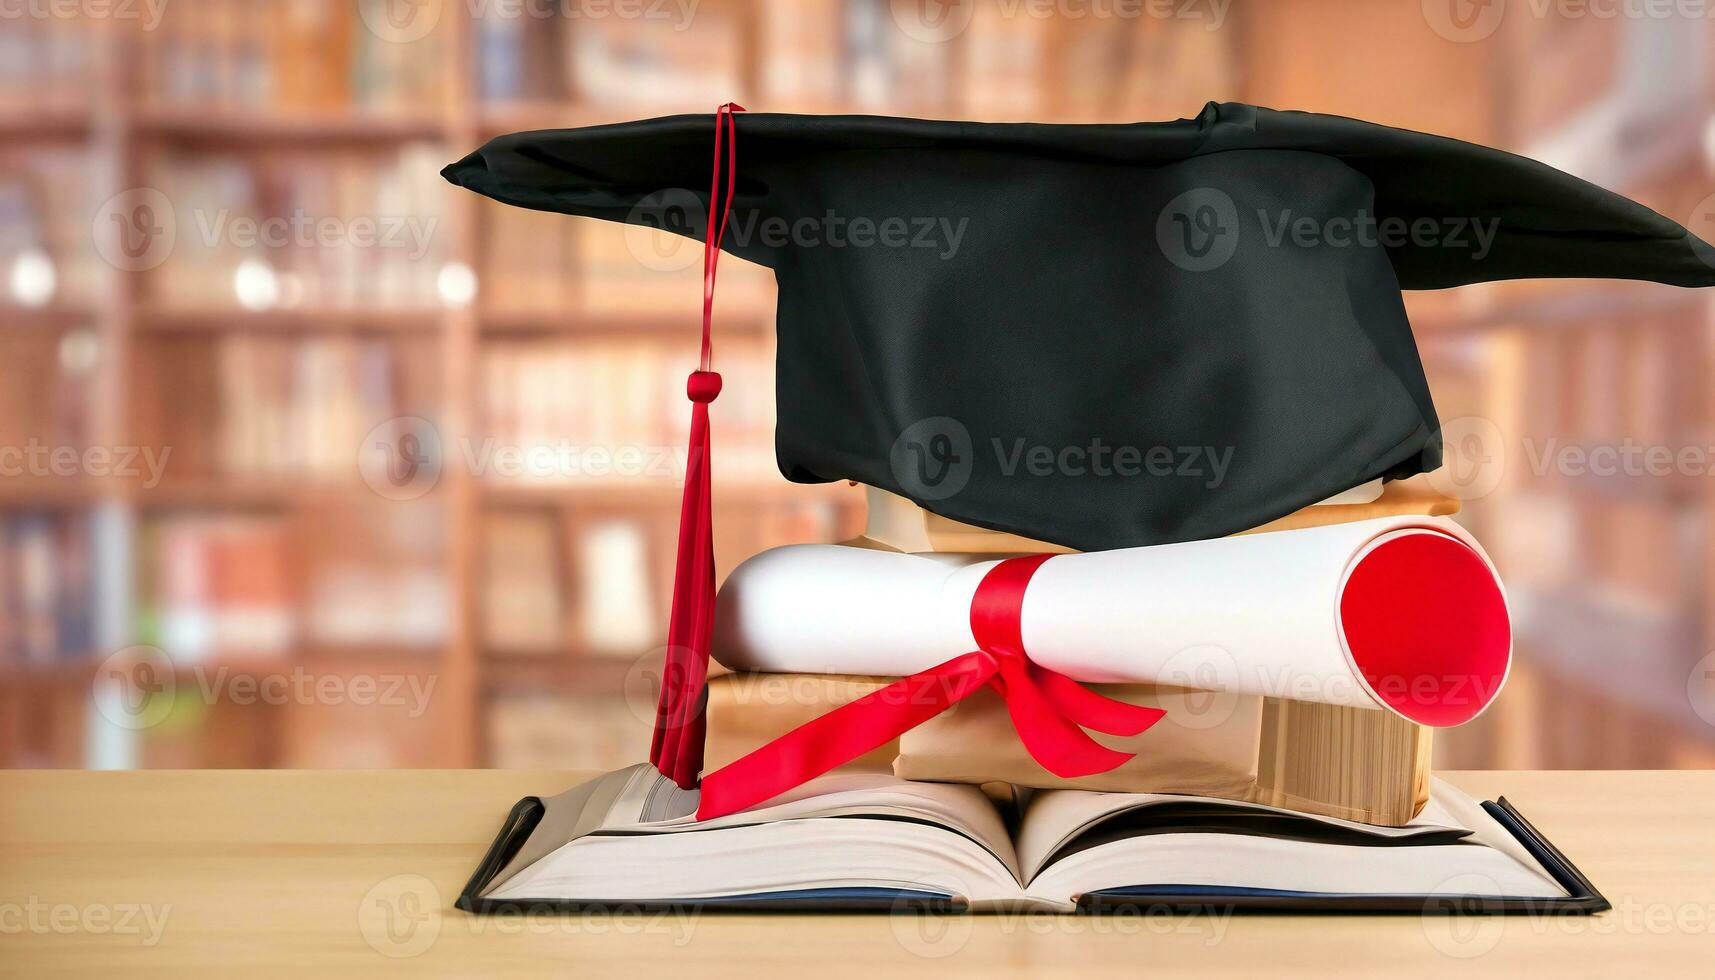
(275, 399)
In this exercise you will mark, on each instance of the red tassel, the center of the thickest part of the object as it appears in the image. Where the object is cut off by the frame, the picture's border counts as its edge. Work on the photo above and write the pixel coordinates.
(677, 747)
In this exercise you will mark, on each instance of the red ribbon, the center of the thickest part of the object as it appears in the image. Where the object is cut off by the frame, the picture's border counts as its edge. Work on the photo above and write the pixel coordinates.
(677, 747)
(1047, 709)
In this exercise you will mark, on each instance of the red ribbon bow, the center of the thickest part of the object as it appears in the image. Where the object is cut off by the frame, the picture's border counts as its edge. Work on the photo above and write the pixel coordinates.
(1049, 709)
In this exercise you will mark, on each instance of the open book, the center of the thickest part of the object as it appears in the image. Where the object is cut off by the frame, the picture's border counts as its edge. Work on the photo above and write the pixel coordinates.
(871, 840)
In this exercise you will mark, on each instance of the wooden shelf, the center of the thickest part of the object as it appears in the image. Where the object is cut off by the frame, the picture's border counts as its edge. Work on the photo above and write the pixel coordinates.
(500, 118)
(285, 493)
(508, 322)
(47, 123)
(156, 319)
(54, 494)
(658, 493)
(240, 127)
(14, 317)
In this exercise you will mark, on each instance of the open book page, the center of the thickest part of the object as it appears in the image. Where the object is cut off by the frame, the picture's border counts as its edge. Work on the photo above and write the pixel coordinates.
(597, 840)
(1078, 846)
(1054, 818)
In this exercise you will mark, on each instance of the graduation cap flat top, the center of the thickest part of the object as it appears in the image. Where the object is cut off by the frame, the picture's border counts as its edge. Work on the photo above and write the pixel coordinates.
(1101, 335)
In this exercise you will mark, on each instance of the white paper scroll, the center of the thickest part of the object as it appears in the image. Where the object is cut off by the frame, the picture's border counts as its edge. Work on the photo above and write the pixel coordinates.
(1423, 631)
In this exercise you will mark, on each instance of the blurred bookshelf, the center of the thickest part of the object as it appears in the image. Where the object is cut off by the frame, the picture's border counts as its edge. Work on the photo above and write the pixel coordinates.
(528, 590)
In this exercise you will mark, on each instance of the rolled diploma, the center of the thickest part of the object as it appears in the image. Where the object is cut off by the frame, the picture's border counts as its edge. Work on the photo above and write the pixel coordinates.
(1399, 613)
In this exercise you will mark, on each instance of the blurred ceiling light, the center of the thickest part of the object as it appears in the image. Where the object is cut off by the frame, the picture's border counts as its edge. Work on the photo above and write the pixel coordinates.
(456, 284)
(257, 286)
(33, 281)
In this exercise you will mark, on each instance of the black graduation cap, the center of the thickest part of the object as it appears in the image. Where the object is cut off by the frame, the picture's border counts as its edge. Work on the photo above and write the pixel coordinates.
(1100, 335)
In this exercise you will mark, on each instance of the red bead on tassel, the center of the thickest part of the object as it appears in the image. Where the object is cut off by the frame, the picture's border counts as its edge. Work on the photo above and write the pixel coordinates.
(677, 747)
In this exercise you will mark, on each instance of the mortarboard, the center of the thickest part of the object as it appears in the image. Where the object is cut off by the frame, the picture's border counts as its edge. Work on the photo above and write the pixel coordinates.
(1101, 336)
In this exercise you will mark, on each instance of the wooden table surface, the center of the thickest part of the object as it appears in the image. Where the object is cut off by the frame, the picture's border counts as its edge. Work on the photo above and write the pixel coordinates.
(353, 873)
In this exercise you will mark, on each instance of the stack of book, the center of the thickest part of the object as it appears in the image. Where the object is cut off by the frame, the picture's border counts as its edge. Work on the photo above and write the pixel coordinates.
(1348, 762)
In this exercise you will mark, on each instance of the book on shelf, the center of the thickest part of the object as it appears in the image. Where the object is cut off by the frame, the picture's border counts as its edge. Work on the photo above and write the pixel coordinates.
(47, 588)
(523, 605)
(291, 55)
(47, 254)
(47, 62)
(375, 576)
(270, 406)
(216, 586)
(594, 411)
(669, 61)
(47, 404)
(325, 230)
(872, 841)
